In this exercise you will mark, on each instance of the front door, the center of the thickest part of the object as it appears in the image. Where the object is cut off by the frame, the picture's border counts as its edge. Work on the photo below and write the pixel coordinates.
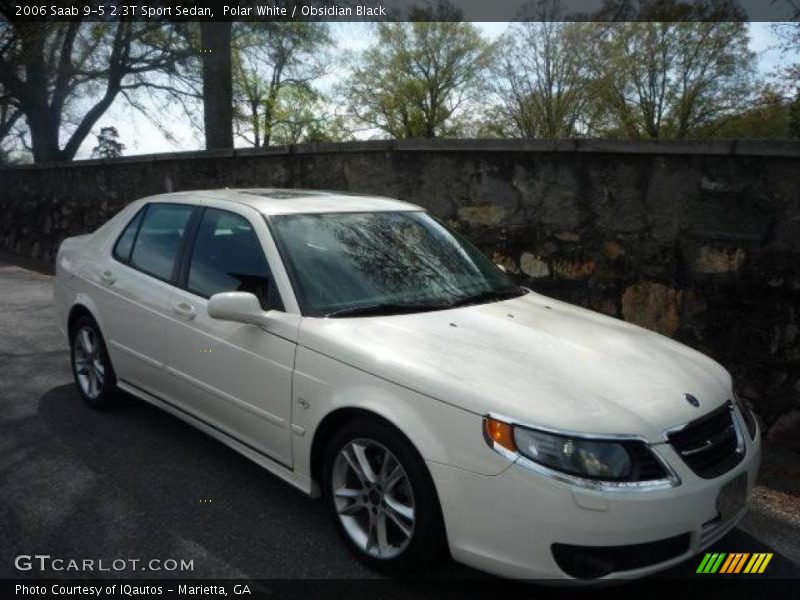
(235, 377)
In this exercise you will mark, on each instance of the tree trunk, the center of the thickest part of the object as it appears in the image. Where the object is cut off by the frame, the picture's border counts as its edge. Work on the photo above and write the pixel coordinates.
(44, 135)
(217, 85)
(43, 125)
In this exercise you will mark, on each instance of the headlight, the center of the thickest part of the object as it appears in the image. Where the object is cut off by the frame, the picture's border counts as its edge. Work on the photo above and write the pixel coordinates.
(747, 415)
(609, 461)
(587, 458)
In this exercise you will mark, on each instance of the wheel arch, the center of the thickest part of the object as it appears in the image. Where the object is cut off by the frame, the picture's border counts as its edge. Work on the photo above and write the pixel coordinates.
(77, 311)
(333, 422)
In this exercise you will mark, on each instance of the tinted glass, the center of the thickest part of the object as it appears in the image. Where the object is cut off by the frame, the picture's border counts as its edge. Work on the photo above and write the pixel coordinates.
(346, 261)
(160, 237)
(122, 249)
(227, 257)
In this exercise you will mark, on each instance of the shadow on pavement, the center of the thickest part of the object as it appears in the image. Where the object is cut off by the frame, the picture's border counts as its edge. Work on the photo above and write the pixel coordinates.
(136, 482)
(159, 487)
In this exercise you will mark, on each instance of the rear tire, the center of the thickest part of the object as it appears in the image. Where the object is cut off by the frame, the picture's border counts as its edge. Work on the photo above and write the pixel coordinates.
(91, 367)
(382, 499)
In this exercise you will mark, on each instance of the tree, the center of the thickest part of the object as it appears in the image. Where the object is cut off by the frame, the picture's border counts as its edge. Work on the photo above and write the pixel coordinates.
(63, 76)
(767, 117)
(671, 79)
(9, 114)
(788, 35)
(794, 115)
(276, 64)
(215, 41)
(302, 115)
(108, 144)
(417, 77)
(9, 118)
(543, 78)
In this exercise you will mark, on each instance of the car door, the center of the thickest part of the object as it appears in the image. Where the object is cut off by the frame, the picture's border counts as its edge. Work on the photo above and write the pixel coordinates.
(235, 377)
(136, 291)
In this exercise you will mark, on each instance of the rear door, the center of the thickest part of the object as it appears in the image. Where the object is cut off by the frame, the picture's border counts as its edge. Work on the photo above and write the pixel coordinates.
(137, 286)
(235, 377)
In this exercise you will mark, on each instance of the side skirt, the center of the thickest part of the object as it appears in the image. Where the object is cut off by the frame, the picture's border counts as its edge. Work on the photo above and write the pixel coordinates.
(301, 482)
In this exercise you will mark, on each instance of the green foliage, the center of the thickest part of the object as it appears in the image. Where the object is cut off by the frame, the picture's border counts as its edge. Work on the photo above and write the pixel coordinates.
(767, 118)
(275, 66)
(794, 116)
(417, 77)
(788, 35)
(669, 80)
(301, 115)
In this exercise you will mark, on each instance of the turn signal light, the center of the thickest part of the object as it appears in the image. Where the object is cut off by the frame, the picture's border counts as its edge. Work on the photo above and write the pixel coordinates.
(500, 433)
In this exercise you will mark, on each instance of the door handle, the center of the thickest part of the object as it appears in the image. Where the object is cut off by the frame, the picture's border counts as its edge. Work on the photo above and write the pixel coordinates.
(107, 277)
(185, 310)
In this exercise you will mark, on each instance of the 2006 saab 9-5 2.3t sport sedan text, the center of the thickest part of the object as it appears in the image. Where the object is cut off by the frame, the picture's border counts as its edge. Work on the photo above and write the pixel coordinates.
(362, 351)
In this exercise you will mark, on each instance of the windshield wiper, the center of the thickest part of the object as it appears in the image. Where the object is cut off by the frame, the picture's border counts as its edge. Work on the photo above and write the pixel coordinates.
(487, 296)
(390, 308)
(386, 308)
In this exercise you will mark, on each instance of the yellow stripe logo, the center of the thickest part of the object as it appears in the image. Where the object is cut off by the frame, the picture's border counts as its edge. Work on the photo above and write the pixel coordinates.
(734, 562)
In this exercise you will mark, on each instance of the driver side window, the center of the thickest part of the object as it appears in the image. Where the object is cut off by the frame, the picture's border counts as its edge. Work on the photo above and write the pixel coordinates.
(227, 257)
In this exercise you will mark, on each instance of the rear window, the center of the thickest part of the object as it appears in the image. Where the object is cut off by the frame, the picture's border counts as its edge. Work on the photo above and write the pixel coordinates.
(160, 238)
(124, 245)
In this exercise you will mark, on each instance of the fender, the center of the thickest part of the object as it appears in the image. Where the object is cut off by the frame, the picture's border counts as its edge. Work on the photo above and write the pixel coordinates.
(431, 425)
(86, 301)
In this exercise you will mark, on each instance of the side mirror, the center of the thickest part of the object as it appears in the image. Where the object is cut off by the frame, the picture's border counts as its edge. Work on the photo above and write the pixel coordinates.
(242, 307)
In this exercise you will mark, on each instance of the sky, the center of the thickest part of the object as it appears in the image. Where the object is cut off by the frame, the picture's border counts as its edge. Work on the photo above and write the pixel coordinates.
(140, 136)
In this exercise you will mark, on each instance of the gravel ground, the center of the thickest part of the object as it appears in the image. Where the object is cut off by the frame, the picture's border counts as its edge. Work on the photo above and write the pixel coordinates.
(774, 514)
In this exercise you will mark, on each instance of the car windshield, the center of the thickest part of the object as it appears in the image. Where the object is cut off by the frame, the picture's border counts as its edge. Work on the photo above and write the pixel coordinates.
(351, 264)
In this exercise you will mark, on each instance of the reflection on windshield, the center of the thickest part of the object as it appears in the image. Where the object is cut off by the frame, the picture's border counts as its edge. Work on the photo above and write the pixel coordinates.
(343, 262)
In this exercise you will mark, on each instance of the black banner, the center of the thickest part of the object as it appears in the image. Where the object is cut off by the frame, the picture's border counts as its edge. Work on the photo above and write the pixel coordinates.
(402, 10)
(706, 587)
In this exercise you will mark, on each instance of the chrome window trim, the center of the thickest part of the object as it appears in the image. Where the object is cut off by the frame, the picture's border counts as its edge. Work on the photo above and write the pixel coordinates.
(672, 480)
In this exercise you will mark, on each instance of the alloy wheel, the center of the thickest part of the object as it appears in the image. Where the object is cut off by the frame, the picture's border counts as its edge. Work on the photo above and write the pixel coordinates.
(88, 358)
(373, 497)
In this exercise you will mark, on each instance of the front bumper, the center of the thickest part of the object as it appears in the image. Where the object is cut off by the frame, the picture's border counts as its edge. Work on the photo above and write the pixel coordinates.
(507, 524)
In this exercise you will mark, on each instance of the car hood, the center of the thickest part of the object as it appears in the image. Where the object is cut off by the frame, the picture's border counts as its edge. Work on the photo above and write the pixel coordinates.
(535, 360)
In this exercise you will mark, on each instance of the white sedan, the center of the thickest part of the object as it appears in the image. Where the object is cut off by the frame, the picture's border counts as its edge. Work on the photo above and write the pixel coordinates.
(360, 350)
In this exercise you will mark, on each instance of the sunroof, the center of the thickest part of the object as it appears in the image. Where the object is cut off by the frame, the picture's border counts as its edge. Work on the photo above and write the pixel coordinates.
(281, 194)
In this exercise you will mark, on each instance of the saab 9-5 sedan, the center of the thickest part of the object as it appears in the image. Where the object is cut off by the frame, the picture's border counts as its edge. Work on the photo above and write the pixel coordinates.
(359, 349)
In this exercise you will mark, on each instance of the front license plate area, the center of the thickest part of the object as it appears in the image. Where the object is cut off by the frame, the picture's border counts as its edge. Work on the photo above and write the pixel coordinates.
(732, 498)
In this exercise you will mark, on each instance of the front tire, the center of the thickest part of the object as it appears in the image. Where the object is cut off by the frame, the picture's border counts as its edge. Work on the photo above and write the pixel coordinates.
(382, 499)
(91, 367)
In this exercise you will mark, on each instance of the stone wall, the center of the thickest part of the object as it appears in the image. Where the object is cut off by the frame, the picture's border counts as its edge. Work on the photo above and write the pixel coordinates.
(697, 240)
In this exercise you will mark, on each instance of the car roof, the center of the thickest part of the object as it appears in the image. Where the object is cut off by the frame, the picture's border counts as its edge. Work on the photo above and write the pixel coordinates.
(276, 201)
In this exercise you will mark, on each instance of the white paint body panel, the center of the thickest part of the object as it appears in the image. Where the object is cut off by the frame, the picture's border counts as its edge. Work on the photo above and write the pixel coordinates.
(536, 359)
(434, 375)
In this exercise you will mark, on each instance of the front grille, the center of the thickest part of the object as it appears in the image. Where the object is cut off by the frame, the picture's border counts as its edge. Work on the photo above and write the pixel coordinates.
(709, 445)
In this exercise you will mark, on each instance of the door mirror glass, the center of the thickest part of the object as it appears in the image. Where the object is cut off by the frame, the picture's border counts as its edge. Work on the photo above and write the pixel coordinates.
(241, 307)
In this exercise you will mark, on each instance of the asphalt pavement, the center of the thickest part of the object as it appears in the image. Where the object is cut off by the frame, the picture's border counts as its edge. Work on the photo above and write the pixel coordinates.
(137, 483)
